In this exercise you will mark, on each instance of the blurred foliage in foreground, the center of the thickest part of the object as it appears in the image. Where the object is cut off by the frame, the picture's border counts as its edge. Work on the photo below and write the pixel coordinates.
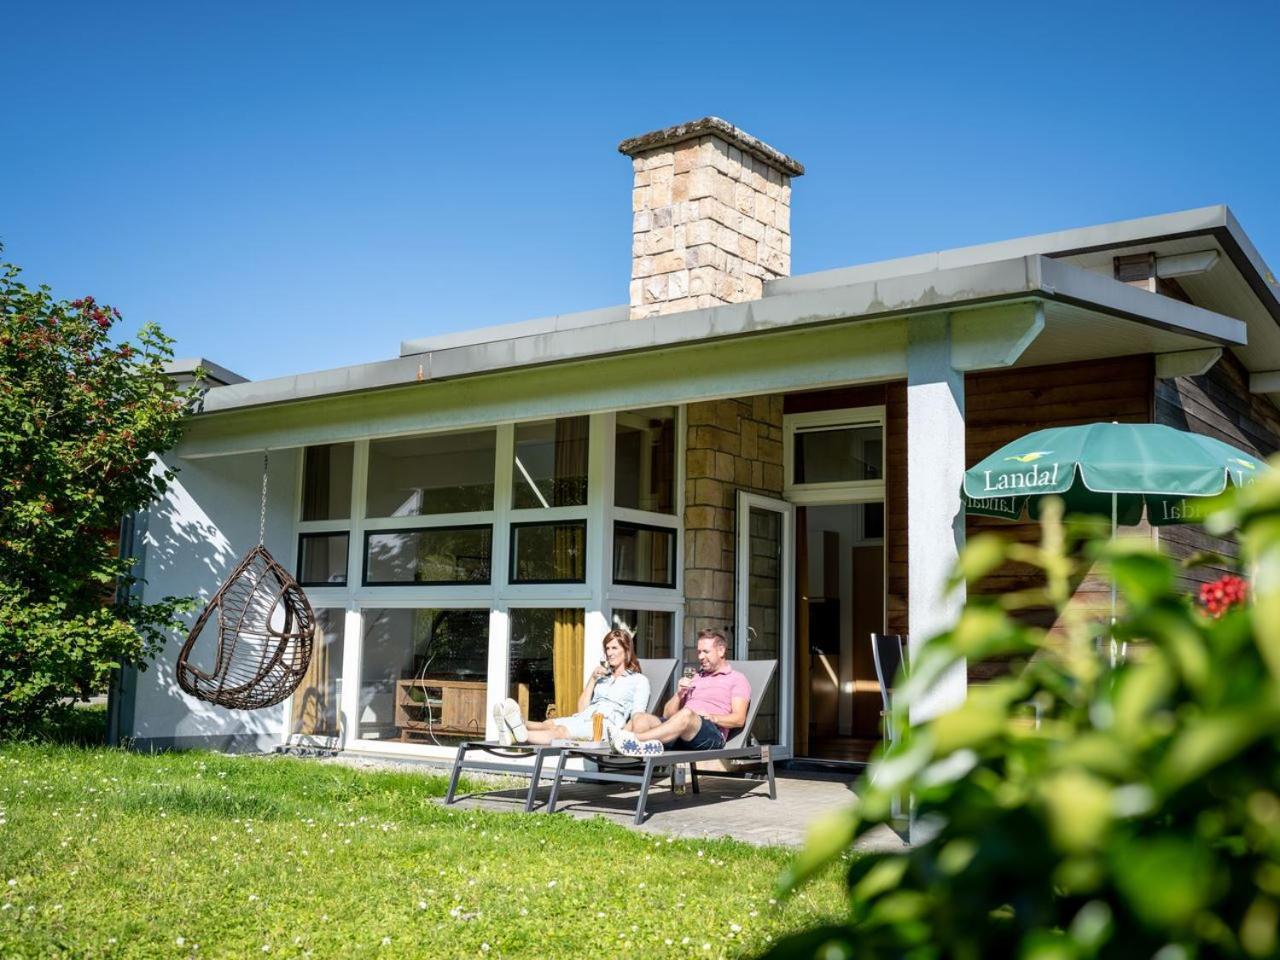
(1140, 818)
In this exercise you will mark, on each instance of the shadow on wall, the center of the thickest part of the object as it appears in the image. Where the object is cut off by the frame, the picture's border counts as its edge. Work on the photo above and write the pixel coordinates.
(190, 541)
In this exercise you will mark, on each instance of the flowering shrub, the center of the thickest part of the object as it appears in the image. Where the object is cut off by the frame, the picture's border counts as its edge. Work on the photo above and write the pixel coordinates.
(1224, 593)
(1139, 817)
(81, 418)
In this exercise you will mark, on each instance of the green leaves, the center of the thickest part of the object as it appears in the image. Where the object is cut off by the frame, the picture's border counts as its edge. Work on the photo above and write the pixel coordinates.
(82, 418)
(1074, 810)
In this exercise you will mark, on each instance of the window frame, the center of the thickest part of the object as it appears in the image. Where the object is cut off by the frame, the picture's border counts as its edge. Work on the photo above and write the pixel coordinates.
(369, 533)
(597, 595)
(513, 526)
(634, 525)
(315, 534)
(840, 491)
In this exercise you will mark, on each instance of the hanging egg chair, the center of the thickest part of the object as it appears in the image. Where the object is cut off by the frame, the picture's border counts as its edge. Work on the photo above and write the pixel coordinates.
(263, 627)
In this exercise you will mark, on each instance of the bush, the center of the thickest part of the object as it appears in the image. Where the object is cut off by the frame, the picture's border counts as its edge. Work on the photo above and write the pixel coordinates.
(81, 418)
(1140, 818)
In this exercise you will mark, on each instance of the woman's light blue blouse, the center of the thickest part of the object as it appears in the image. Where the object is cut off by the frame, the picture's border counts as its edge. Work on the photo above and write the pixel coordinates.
(620, 697)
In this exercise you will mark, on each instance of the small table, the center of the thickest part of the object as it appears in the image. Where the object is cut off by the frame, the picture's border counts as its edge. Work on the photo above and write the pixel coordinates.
(446, 707)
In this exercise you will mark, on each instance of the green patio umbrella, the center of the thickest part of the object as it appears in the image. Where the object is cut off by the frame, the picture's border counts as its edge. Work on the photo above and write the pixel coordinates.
(1108, 469)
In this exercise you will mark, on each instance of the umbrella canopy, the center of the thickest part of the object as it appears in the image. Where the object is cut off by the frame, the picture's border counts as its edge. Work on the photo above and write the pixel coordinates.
(1108, 469)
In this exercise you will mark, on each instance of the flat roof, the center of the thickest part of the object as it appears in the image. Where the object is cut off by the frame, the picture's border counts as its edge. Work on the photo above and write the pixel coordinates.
(878, 291)
(1216, 221)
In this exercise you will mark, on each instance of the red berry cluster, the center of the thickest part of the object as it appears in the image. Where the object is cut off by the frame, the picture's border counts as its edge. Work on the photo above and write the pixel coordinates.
(1224, 593)
(100, 315)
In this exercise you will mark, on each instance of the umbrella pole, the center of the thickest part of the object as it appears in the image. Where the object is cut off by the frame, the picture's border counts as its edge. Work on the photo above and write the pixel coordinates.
(1114, 526)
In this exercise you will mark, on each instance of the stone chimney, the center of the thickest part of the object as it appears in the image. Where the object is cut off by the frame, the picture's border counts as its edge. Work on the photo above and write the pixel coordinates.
(711, 216)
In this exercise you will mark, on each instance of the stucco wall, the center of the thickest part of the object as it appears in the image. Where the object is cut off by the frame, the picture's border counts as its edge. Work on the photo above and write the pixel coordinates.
(192, 539)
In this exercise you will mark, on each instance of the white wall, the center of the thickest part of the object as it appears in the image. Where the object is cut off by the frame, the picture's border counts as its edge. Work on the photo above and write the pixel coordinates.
(193, 538)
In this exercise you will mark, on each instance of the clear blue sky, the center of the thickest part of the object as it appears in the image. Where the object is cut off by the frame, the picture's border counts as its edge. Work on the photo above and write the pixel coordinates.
(289, 187)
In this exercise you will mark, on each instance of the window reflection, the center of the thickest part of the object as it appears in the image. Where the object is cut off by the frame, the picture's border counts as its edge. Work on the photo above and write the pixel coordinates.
(439, 473)
(436, 555)
(423, 675)
(550, 468)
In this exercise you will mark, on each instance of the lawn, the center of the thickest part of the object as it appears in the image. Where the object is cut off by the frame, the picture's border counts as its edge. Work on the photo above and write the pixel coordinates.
(105, 853)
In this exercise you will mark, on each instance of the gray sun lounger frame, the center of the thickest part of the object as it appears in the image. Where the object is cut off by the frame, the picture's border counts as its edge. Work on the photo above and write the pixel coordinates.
(663, 669)
(641, 771)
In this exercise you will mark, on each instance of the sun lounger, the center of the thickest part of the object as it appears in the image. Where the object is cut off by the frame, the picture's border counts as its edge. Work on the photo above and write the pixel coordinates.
(614, 768)
(659, 673)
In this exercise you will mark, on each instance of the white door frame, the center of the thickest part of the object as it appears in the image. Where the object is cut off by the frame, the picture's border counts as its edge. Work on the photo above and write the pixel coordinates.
(786, 632)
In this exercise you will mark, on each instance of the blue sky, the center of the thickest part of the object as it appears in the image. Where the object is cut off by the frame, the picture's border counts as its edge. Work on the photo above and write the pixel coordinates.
(293, 187)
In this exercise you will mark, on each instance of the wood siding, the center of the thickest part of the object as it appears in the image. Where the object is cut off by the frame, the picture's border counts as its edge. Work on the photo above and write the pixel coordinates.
(1220, 405)
(1001, 406)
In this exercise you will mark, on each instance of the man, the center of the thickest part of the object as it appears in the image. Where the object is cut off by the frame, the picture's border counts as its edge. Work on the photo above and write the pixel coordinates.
(702, 714)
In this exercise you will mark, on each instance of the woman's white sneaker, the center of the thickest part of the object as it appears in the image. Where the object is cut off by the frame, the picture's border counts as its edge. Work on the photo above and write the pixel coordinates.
(505, 736)
(514, 721)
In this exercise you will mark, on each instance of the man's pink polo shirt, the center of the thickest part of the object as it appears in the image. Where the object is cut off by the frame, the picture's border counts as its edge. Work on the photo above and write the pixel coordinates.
(714, 692)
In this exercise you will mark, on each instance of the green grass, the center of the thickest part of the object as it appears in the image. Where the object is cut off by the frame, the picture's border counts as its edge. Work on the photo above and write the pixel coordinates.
(105, 853)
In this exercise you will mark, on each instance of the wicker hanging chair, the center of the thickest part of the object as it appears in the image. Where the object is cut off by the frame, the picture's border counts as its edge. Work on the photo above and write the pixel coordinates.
(264, 632)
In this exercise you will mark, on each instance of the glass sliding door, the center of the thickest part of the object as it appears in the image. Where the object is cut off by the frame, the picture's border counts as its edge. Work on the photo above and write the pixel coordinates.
(423, 674)
(763, 610)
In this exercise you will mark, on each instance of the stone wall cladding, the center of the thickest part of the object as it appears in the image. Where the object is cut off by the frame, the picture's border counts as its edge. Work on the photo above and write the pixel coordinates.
(710, 224)
(730, 445)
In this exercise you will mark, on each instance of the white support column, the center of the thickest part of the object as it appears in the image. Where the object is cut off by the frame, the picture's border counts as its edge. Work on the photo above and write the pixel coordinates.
(498, 678)
(599, 558)
(349, 704)
(935, 522)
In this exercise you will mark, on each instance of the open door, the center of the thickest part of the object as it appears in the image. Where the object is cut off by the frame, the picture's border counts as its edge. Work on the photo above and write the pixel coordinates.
(763, 615)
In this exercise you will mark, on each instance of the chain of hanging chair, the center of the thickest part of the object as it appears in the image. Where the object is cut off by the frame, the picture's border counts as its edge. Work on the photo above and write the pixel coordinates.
(264, 628)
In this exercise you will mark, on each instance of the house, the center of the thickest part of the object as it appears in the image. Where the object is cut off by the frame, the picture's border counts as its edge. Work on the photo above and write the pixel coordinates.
(777, 457)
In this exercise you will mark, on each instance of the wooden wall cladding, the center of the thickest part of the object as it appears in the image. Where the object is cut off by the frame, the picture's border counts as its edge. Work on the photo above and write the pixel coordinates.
(1001, 406)
(1220, 405)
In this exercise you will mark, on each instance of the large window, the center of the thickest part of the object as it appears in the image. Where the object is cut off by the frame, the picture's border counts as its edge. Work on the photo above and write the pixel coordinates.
(423, 674)
(436, 555)
(439, 473)
(456, 551)
(644, 475)
(550, 464)
(546, 668)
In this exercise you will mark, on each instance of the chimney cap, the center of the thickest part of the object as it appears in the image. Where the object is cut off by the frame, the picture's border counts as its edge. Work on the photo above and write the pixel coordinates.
(712, 126)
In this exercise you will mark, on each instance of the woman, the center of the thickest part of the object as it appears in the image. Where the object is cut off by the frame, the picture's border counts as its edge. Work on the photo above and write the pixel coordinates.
(615, 691)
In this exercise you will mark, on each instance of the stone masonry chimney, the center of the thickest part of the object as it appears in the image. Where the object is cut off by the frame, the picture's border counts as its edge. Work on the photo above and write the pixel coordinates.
(711, 221)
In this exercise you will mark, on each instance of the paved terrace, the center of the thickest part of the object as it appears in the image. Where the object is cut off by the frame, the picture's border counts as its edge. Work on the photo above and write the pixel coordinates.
(726, 807)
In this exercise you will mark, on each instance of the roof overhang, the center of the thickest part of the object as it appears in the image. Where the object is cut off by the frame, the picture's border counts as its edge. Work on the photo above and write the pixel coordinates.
(1070, 294)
